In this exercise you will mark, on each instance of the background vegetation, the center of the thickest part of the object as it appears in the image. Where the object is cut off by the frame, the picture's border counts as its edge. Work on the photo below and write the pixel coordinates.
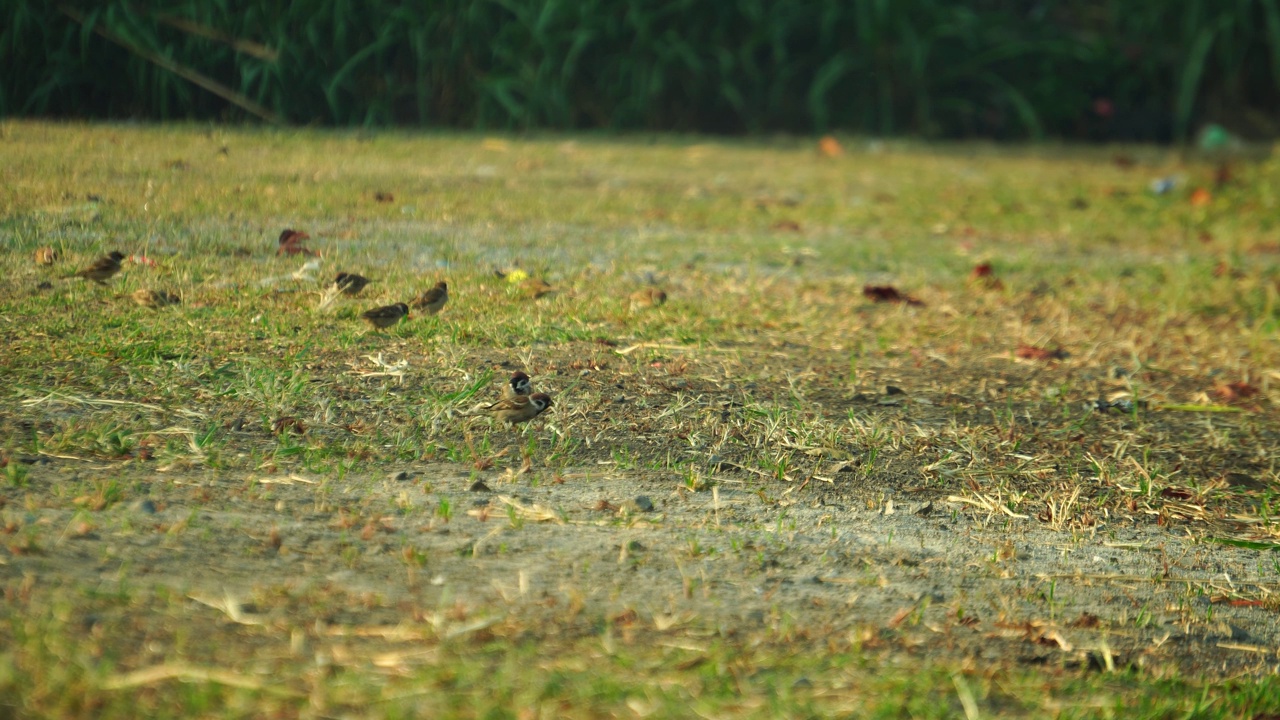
(1095, 69)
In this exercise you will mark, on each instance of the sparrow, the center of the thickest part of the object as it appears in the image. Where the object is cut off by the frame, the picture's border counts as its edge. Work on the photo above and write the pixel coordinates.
(290, 243)
(102, 269)
(155, 299)
(520, 408)
(350, 284)
(518, 385)
(433, 300)
(647, 298)
(386, 316)
(46, 256)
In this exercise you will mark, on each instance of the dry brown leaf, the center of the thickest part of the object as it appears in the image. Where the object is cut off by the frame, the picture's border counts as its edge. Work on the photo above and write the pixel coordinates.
(830, 147)
(1235, 391)
(1030, 352)
(888, 293)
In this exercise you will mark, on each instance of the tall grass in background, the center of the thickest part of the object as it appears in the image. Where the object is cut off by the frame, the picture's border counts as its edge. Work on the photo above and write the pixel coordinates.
(1004, 68)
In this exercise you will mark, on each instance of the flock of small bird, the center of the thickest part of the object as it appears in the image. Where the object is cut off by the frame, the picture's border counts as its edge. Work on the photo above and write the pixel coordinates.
(519, 403)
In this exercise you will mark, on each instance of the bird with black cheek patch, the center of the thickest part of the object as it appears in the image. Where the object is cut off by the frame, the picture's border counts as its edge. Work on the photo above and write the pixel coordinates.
(518, 409)
(350, 284)
(518, 385)
(102, 269)
(432, 300)
(386, 316)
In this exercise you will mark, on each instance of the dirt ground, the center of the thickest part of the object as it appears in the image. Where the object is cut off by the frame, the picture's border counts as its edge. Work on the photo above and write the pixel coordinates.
(877, 556)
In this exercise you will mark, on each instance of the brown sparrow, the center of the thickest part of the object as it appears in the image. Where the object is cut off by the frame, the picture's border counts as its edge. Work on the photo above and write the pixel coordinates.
(387, 315)
(46, 256)
(155, 299)
(518, 385)
(290, 243)
(520, 408)
(432, 301)
(350, 284)
(102, 269)
(647, 298)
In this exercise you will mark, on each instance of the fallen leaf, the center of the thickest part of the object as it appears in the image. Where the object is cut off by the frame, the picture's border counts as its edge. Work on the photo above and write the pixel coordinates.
(888, 293)
(290, 243)
(1224, 269)
(1086, 620)
(288, 423)
(899, 616)
(1235, 391)
(828, 146)
(626, 617)
(1030, 352)
(983, 275)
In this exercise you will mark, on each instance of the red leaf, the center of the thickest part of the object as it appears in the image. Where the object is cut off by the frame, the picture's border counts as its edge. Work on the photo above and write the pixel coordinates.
(1029, 352)
(1235, 391)
(1224, 269)
(888, 293)
(291, 243)
(983, 274)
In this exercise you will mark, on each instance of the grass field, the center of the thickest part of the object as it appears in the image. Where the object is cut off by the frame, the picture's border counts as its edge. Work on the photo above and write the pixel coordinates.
(1042, 488)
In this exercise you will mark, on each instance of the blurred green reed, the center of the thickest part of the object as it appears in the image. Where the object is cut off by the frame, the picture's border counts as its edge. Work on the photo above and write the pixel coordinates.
(938, 68)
